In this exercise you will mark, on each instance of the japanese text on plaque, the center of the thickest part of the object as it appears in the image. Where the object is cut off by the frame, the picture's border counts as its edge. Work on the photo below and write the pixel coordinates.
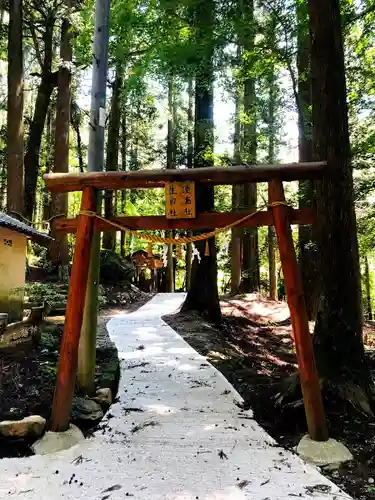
(180, 200)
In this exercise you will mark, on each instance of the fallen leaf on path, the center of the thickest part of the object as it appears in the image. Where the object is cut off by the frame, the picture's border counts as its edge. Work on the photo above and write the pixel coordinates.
(139, 427)
(243, 484)
(222, 455)
(115, 487)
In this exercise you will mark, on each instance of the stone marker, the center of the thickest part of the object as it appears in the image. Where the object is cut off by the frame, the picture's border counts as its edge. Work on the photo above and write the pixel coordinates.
(31, 426)
(86, 410)
(103, 397)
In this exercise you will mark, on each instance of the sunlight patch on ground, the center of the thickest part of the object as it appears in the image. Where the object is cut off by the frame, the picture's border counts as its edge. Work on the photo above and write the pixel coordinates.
(149, 351)
(161, 409)
(218, 355)
(181, 350)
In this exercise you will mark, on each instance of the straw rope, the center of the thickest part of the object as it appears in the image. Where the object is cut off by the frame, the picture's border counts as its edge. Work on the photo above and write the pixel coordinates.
(181, 240)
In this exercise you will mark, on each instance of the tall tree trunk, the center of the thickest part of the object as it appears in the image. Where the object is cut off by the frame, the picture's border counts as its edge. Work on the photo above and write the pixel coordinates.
(308, 256)
(203, 294)
(190, 142)
(58, 248)
(272, 269)
(235, 254)
(368, 290)
(250, 261)
(75, 121)
(174, 159)
(170, 164)
(124, 148)
(15, 195)
(109, 239)
(3, 186)
(190, 156)
(175, 123)
(47, 83)
(49, 153)
(338, 329)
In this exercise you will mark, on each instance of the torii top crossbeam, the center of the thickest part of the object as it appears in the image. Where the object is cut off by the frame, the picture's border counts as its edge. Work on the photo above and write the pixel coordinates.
(64, 183)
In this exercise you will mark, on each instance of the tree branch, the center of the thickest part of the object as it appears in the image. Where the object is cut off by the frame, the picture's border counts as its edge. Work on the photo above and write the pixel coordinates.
(36, 46)
(284, 55)
(359, 16)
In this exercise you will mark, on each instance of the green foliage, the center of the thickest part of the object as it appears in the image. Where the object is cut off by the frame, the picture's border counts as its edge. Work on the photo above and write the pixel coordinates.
(114, 269)
(51, 293)
(42, 292)
(83, 29)
(360, 74)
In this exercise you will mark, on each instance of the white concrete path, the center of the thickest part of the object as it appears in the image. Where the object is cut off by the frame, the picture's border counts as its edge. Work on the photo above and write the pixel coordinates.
(174, 434)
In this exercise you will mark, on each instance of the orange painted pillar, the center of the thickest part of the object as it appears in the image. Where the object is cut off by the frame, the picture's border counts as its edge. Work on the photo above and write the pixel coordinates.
(309, 378)
(67, 365)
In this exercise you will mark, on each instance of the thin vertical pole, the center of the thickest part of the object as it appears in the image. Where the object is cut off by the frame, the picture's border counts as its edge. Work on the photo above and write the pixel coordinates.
(95, 162)
(309, 378)
(67, 366)
(95, 153)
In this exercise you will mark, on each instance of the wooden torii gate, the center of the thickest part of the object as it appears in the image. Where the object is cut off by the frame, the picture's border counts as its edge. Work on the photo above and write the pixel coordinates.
(278, 214)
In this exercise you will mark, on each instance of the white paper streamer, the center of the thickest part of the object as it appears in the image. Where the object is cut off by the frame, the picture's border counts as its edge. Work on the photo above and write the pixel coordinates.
(195, 252)
(165, 255)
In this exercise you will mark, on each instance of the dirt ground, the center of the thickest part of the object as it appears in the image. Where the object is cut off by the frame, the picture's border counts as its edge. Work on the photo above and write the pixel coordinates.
(254, 350)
